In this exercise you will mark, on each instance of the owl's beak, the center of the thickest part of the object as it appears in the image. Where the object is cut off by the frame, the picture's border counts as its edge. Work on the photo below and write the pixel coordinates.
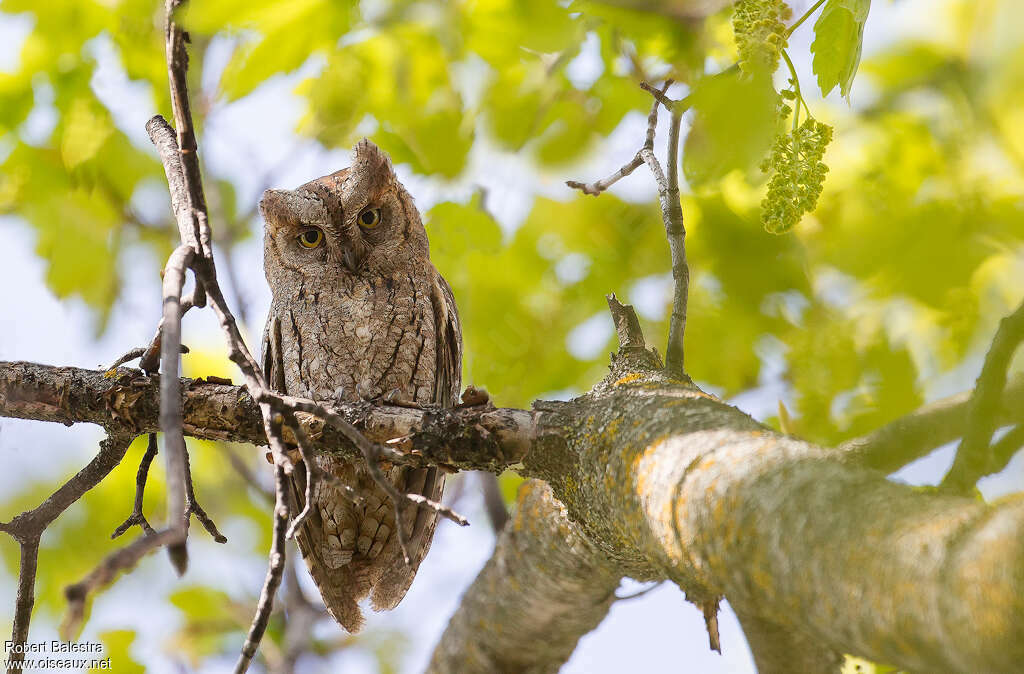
(350, 259)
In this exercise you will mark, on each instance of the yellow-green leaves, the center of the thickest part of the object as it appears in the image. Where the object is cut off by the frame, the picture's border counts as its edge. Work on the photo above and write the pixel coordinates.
(733, 127)
(421, 117)
(797, 175)
(117, 646)
(760, 29)
(839, 34)
(287, 34)
(496, 29)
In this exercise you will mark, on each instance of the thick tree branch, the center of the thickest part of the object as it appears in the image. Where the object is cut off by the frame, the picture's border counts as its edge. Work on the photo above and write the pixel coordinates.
(480, 437)
(668, 482)
(544, 587)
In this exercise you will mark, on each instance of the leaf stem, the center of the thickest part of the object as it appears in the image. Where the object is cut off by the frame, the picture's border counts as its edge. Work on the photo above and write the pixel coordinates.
(796, 87)
(805, 16)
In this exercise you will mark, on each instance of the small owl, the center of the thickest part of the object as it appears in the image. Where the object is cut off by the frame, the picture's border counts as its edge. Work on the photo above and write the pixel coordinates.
(358, 312)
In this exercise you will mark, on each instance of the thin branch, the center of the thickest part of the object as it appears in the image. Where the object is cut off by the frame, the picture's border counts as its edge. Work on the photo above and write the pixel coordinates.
(912, 436)
(1005, 449)
(275, 568)
(974, 455)
(124, 559)
(26, 599)
(806, 15)
(475, 437)
(27, 527)
(314, 475)
(595, 188)
(140, 352)
(170, 401)
(192, 507)
(494, 502)
(672, 215)
(137, 516)
(659, 95)
(671, 212)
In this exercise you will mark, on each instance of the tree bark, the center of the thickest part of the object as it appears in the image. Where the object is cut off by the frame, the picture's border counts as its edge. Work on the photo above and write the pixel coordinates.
(662, 481)
(544, 587)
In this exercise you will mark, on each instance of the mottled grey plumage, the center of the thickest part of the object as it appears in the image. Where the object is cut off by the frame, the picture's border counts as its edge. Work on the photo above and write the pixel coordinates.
(360, 314)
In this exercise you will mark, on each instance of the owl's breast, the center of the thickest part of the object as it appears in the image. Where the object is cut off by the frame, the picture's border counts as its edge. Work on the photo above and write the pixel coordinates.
(352, 338)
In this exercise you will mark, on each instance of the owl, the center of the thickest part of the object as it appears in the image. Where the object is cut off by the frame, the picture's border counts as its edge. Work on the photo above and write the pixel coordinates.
(358, 313)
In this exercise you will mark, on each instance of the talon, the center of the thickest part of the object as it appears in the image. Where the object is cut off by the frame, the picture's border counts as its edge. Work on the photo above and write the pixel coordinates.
(474, 396)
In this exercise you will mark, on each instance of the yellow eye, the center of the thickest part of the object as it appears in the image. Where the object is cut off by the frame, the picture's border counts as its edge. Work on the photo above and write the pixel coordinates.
(311, 238)
(369, 218)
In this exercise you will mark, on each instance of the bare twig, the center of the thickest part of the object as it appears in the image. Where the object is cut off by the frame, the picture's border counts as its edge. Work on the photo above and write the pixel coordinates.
(672, 215)
(494, 502)
(26, 599)
(595, 188)
(659, 94)
(974, 455)
(170, 401)
(240, 467)
(627, 325)
(27, 527)
(314, 474)
(275, 568)
(671, 211)
(140, 352)
(192, 507)
(124, 559)
(137, 516)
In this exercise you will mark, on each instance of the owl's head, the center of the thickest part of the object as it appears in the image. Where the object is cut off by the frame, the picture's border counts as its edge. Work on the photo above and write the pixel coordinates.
(356, 221)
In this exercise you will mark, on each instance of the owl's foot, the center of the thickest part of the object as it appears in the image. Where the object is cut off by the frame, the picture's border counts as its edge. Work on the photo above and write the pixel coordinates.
(137, 517)
(393, 397)
(149, 358)
(474, 396)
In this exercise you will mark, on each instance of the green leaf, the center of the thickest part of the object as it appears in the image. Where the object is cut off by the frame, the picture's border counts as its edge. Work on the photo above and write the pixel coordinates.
(118, 648)
(733, 127)
(838, 39)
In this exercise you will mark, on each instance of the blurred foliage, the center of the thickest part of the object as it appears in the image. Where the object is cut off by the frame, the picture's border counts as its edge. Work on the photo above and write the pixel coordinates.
(896, 278)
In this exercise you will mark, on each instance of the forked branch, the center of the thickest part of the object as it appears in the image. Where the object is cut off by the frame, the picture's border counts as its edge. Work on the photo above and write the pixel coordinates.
(974, 455)
(671, 212)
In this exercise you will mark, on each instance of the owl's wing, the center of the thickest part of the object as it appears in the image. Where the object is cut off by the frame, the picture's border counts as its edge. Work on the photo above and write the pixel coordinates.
(340, 584)
(448, 379)
(427, 481)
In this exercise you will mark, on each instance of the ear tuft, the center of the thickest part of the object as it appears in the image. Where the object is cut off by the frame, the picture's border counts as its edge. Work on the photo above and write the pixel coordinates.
(370, 160)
